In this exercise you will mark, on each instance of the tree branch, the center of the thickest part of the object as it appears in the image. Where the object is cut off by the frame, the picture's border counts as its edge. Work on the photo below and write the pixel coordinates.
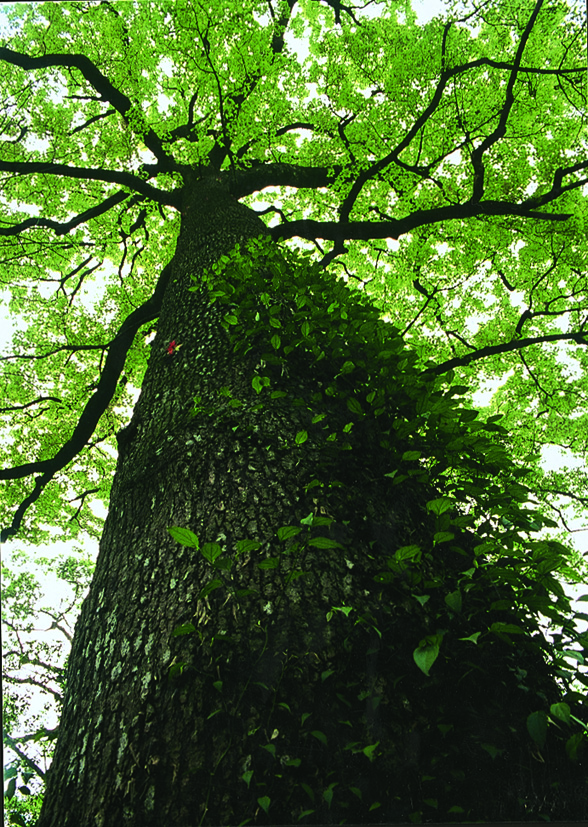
(500, 131)
(506, 347)
(95, 406)
(125, 179)
(102, 85)
(28, 761)
(366, 230)
(260, 175)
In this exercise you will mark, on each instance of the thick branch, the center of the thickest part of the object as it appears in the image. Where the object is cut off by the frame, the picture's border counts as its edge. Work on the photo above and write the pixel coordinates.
(125, 179)
(63, 229)
(101, 84)
(506, 347)
(260, 175)
(365, 230)
(500, 131)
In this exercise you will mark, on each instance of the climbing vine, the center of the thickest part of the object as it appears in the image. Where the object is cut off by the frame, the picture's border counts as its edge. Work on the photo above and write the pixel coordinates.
(472, 583)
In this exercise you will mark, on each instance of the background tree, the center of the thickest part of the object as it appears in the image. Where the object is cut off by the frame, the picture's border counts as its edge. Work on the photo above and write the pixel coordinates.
(342, 622)
(37, 633)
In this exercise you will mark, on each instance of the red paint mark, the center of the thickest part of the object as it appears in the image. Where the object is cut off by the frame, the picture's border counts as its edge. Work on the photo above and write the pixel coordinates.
(172, 347)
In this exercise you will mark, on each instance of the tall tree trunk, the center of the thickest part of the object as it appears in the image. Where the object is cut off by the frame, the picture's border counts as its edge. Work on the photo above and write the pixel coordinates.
(297, 691)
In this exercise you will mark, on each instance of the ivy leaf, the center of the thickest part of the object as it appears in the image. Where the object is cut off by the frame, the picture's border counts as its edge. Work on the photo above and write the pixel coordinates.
(247, 546)
(184, 536)
(287, 531)
(537, 727)
(264, 802)
(561, 710)
(440, 506)
(324, 542)
(210, 551)
(184, 629)
(427, 653)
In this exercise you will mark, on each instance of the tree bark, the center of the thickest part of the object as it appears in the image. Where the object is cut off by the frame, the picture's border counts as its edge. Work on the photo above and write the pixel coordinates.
(271, 704)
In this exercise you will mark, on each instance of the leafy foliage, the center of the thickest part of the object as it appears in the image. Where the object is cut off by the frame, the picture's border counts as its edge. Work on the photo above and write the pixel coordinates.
(459, 214)
(481, 538)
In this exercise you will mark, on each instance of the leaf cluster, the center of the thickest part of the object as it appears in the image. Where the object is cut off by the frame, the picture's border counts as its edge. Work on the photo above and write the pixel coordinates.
(480, 574)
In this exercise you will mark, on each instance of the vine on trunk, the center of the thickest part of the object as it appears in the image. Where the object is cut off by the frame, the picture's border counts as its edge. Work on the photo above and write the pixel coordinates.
(442, 608)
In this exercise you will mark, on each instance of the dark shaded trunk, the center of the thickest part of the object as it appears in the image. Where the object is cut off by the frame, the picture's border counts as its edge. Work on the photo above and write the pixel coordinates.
(278, 700)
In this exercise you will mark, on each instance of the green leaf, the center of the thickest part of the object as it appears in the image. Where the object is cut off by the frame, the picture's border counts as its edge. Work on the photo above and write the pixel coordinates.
(561, 710)
(264, 802)
(210, 587)
(184, 536)
(295, 574)
(427, 653)
(473, 638)
(328, 793)
(492, 751)
(301, 437)
(176, 669)
(183, 629)
(320, 736)
(369, 751)
(468, 416)
(537, 727)
(275, 341)
(259, 382)
(443, 537)
(408, 553)
(573, 744)
(308, 790)
(453, 600)
(354, 406)
(247, 546)
(247, 776)
(440, 506)
(574, 655)
(324, 542)
(210, 551)
(411, 455)
(288, 531)
(270, 563)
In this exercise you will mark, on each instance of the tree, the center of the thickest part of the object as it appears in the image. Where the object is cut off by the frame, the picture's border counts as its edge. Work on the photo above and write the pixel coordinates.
(319, 583)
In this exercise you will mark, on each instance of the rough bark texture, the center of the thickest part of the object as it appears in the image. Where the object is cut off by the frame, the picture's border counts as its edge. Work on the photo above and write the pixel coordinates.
(270, 685)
